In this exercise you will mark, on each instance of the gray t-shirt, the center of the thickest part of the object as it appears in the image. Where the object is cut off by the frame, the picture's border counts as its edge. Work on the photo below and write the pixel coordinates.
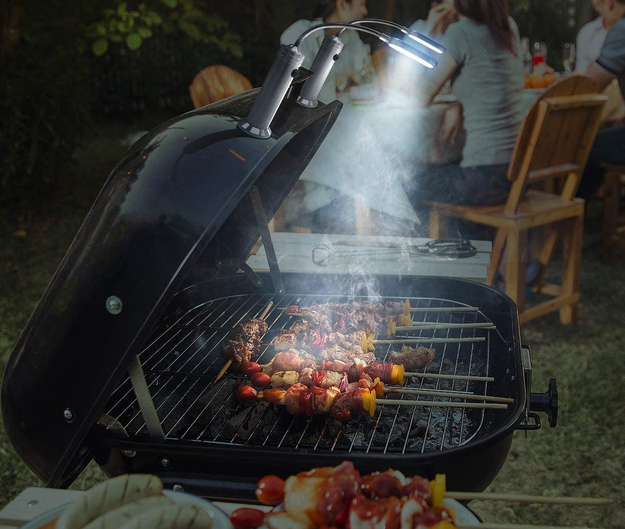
(612, 57)
(489, 85)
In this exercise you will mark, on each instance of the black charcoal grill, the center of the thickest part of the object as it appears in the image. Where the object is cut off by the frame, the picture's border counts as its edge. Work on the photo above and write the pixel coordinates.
(119, 361)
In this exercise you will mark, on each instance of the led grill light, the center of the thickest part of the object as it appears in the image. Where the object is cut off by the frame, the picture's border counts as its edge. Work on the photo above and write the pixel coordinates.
(415, 35)
(289, 59)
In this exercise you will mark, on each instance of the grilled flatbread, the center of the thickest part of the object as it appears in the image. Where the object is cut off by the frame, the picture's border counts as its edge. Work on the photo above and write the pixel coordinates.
(174, 517)
(109, 496)
(118, 517)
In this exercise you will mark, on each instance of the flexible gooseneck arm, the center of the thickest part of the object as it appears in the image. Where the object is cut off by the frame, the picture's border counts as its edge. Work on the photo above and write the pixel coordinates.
(419, 37)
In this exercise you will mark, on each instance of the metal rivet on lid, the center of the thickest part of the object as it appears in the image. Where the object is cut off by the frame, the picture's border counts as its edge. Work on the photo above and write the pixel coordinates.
(178, 488)
(114, 305)
(68, 414)
(165, 462)
(32, 503)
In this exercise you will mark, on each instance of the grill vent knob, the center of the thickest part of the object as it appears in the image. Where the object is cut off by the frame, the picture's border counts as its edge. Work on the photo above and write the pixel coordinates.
(547, 402)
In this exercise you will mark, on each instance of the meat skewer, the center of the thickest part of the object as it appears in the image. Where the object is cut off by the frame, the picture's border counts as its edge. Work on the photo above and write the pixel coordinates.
(247, 342)
(327, 379)
(342, 406)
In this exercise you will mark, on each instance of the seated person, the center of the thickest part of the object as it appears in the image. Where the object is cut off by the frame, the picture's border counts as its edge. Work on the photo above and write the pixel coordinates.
(609, 146)
(589, 42)
(346, 70)
(484, 63)
(441, 14)
(318, 207)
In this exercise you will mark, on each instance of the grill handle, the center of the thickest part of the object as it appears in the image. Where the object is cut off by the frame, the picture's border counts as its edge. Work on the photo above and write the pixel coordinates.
(547, 402)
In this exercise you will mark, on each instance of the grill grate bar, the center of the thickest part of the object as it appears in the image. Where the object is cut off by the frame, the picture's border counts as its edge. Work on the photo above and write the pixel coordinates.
(191, 406)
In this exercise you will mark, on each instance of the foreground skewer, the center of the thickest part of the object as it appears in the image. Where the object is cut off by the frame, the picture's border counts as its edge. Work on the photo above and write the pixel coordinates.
(526, 498)
(445, 309)
(262, 316)
(518, 526)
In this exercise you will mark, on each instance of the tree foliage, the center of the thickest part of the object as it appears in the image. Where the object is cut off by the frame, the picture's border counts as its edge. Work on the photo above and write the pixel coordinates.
(123, 23)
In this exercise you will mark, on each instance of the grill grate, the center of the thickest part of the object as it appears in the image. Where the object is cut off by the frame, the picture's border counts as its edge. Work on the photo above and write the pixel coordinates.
(181, 364)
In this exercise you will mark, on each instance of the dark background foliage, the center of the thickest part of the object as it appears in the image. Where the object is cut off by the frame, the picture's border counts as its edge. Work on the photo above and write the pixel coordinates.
(53, 87)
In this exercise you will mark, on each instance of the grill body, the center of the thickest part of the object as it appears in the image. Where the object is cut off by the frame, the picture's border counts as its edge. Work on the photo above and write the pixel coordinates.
(217, 447)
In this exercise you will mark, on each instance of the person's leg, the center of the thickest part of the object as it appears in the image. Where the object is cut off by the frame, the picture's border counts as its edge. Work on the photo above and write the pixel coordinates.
(609, 147)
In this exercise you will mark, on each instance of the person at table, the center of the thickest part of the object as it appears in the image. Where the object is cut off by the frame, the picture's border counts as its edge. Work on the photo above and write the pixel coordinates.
(314, 205)
(589, 42)
(590, 39)
(484, 62)
(609, 146)
(346, 71)
(442, 13)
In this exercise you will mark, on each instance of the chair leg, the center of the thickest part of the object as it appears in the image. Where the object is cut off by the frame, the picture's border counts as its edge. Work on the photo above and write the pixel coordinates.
(573, 241)
(438, 224)
(611, 198)
(515, 266)
(495, 257)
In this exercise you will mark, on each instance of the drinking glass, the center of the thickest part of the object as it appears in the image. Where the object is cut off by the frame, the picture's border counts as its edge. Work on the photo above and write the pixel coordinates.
(540, 53)
(568, 57)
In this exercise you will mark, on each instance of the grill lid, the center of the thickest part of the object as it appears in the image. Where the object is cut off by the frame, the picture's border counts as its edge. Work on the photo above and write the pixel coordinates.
(182, 187)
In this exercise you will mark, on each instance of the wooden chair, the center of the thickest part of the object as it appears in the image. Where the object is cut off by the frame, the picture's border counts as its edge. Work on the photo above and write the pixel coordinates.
(554, 143)
(215, 83)
(613, 223)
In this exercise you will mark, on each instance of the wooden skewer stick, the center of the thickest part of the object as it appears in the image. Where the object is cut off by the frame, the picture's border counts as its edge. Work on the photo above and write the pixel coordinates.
(516, 526)
(433, 309)
(436, 404)
(424, 325)
(450, 377)
(445, 394)
(445, 309)
(431, 340)
(229, 362)
(525, 498)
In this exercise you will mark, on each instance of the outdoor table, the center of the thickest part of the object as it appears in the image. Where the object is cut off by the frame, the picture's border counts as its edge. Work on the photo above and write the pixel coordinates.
(294, 254)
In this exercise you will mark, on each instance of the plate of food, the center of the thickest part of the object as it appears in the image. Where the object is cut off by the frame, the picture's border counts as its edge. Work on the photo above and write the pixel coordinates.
(133, 501)
(340, 497)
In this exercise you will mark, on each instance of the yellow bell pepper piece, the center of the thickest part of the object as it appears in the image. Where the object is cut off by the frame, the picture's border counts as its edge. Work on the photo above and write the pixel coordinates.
(392, 327)
(366, 401)
(407, 307)
(372, 405)
(437, 488)
(400, 375)
(370, 346)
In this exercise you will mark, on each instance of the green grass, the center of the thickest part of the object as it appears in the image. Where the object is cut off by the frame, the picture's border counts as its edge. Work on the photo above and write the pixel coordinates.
(583, 456)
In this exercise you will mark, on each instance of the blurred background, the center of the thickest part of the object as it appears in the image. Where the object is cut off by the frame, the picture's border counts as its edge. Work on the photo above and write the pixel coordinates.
(68, 68)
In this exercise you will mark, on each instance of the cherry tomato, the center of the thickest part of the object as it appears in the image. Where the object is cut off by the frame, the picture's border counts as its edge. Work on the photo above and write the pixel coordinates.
(249, 368)
(270, 490)
(261, 380)
(247, 393)
(246, 518)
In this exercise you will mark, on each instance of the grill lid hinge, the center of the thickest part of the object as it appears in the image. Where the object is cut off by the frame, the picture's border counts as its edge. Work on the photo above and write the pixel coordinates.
(261, 219)
(526, 358)
(144, 398)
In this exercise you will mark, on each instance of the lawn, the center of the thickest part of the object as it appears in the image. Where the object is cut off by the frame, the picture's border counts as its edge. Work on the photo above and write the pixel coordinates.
(583, 456)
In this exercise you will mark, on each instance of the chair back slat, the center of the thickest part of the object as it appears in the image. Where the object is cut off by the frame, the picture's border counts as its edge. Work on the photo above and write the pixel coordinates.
(556, 137)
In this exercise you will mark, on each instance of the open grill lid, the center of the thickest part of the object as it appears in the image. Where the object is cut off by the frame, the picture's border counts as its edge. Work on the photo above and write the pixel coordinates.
(182, 187)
